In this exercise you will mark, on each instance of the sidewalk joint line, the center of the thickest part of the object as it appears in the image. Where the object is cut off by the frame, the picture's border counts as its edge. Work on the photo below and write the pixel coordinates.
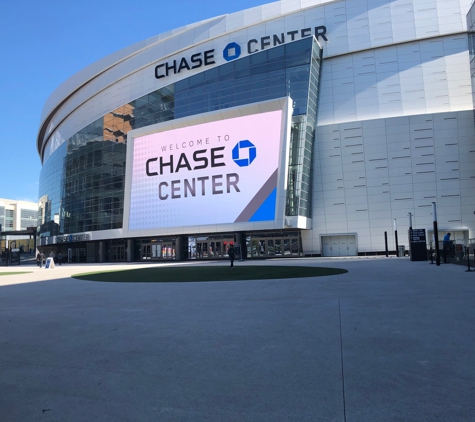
(342, 367)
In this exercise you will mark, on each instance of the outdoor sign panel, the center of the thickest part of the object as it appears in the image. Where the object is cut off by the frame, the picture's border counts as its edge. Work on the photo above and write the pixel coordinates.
(418, 244)
(214, 173)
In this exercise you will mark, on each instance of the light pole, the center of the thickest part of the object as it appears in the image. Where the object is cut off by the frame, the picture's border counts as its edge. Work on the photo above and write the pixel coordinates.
(436, 235)
(395, 237)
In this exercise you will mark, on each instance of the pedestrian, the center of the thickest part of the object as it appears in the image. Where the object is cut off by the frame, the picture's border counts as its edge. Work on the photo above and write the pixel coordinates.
(231, 254)
(43, 259)
(60, 258)
(39, 260)
(445, 246)
(446, 242)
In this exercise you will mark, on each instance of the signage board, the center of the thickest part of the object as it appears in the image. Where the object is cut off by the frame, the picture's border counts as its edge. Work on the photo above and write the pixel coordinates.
(49, 264)
(418, 244)
(237, 251)
(233, 50)
(224, 171)
(69, 238)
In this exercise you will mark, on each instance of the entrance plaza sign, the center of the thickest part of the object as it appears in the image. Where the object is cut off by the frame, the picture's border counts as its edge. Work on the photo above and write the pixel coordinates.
(225, 171)
(69, 238)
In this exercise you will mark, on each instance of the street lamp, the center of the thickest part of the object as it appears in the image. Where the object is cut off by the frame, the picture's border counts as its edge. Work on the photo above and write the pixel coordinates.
(395, 237)
(436, 235)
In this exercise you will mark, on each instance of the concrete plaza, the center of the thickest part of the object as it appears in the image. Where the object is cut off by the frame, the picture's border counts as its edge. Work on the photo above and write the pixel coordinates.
(392, 340)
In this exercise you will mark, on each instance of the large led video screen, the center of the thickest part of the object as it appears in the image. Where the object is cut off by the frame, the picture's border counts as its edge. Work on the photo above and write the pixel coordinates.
(213, 173)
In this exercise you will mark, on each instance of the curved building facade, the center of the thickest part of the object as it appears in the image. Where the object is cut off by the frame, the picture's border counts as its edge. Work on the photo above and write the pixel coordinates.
(303, 127)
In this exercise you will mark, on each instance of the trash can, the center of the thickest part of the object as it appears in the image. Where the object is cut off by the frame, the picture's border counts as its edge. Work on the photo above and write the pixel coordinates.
(401, 250)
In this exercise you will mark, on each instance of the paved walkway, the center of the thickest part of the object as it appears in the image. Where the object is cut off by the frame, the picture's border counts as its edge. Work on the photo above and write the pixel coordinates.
(392, 340)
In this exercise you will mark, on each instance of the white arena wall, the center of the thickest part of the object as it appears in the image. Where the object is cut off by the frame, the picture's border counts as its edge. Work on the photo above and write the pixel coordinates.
(371, 167)
(368, 173)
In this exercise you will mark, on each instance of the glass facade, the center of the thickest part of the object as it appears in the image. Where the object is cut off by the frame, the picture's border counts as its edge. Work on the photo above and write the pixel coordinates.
(471, 45)
(82, 182)
(8, 220)
(28, 218)
(275, 244)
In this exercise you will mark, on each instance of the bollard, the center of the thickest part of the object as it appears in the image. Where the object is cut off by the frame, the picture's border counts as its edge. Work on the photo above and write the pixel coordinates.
(386, 243)
(467, 252)
(431, 256)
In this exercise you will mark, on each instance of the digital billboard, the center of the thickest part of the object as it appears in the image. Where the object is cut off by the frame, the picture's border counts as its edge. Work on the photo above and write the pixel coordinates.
(213, 173)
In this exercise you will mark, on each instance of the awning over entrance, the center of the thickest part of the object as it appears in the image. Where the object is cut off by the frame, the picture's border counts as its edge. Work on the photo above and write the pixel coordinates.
(13, 235)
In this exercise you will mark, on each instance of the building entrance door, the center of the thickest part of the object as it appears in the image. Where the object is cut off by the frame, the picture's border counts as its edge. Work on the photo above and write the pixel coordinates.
(201, 249)
(352, 246)
(344, 245)
(77, 255)
(327, 246)
(146, 252)
(117, 253)
(273, 246)
(156, 251)
(261, 247)
(168, 250)
(213, 249)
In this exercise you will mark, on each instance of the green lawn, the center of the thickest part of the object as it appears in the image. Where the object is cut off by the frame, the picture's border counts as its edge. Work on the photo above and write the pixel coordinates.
(207, 273)
(16, 272)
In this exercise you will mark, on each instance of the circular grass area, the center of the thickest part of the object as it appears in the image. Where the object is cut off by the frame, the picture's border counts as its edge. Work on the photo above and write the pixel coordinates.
(207, 273)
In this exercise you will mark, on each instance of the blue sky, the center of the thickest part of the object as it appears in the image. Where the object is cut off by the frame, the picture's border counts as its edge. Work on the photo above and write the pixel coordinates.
(44, 43)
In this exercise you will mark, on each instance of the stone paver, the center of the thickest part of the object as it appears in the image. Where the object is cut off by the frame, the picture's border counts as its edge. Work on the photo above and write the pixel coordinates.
(392, 340)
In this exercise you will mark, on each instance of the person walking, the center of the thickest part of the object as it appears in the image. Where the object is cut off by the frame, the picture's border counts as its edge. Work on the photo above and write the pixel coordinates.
(39, 260)
(60, 258)
(231, 254)
(445, 246)
(446, 240)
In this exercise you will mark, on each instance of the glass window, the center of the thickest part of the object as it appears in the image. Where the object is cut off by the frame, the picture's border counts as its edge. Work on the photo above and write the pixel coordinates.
(82, 183)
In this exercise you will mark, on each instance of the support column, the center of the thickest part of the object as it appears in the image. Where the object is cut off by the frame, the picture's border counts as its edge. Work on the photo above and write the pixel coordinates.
(436, 235)
(101, 253)
(178, 247)
(241, 240)
(130, 250)
(181, 248)
(395, 238)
